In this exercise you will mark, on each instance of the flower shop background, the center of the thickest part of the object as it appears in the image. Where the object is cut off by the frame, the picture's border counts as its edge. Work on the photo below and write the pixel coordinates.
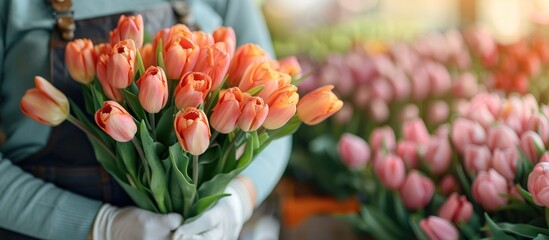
(440, 96)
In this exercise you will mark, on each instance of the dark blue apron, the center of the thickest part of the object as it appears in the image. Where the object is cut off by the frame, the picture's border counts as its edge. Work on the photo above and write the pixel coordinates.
(68, 160)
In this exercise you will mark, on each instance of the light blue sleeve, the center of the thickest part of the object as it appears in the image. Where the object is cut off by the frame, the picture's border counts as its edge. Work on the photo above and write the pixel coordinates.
(246, 19)
(29, 205)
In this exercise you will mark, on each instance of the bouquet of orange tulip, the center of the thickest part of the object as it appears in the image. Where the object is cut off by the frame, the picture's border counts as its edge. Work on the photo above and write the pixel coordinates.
(178, 118)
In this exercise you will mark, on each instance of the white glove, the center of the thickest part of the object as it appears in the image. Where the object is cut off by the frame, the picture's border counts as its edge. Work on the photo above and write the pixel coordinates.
(112, 223)
(224, 220)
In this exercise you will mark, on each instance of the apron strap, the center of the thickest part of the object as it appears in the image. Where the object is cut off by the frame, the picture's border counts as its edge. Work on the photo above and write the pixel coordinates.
(64, 16)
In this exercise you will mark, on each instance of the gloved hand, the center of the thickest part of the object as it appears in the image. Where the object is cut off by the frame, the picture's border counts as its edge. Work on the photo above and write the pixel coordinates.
(224, 220)
(112, 223)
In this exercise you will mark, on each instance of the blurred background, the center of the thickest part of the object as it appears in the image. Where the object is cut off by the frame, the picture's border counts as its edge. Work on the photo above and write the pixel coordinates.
(326, 36)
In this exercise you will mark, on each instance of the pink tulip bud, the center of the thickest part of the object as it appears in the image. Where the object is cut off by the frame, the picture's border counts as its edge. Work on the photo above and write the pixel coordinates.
(420, 84)
(407, 150)
(456, 209)
(417, 190)
(379, 110)
(254, 113)
(120, 67)
(465, 85)
(214, 61)
(538, 184)
(464, 132)
(439, 79)
(439, 155)
(477, 158)
(449, 185)
(544, 157)
(532, 145)
(226, 36)
(391, 171)
(344, 115)
(81, 59)
(415, 130)
(180, 56)
(192, 90)
(540, 124)
(502, 137)
(282, 106)
(489, 190)
(381, 89)
(318, 105)
(110, 91)
(353, 151)
(116, 121)
(192, 130)
(225, 114)
(409, 112)
(438, 112)
(290, 66)
(504, 161)
(129, 28)
(244, 56)
(153, 89)
(437, 228)
(45, 103)
(383, 139)
(262, 74)
(400, 85)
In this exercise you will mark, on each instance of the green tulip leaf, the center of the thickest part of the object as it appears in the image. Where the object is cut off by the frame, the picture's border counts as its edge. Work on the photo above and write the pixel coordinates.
(381, 226)
(255, 90)
(181, 184)
(414, 223)
(158, 179)
(140, 65)
(541, 237)
(497, 232)
(164, 127)
(524, 230)
(159, 56)
(204, 203)
(135, 105)
(127, 155)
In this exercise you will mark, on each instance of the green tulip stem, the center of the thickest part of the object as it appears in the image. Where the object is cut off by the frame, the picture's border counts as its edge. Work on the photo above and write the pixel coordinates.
(547, 216)
(153, 125)
(221, 165)
(143, 159)
(82, 127)
(195, 170)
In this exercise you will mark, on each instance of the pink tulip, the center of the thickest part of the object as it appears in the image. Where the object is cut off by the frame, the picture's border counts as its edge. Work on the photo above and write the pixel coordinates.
(407, 150)
(481, 115)
(504, 161)
(465, 85)
(180, 56)
(116, 121)
(540, 124)
(383, 139)
(489, 190)
(379, 110)
(344, 115)
(192, 130)
(282, 106)
(464, 132)
(226, 36)
(214, 61)
(153, 89)
(225, 114)
(129, 28)
(448, 185)
(502, 137)
(192, 90)
(353, 151)
(381, 89)
(290, 66)
(538, 184)
(532, 145)
(45, 103)
(409, 112)
(254, 113)
(439, 155)
(121, 64)
(244, 56)
(417, 190)
(400, 85)
(439, 78)
(420, 84)
(438, 112)
(477, 158)
(437, 228)
(81, 59)
(456, 209)
(110, 91)
(415, 130)
(391, 171)
(318, 105)
(544, 157)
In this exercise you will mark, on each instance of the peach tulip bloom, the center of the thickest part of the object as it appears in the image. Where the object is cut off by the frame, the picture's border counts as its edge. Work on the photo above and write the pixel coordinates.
(147, 55)
(226, 36)
(110, 91)
(290, 66)
(214, 61)
(202, 39)
(225, 114)
(254, 112)
(116, 121)
(153, 89)
(129, 28)
(45, 103)
(192, 130)
(180, 56)
(192, 90)
(282, 106)
(81, 59)
(263, 74)
(243, 57)
(121, 65)
(318, 105)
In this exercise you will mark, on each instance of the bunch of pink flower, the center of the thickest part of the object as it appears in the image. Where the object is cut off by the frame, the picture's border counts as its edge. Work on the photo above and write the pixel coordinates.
(187, 95)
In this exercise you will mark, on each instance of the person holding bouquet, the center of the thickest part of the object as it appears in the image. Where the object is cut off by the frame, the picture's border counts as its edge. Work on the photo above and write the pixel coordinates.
(51, 185)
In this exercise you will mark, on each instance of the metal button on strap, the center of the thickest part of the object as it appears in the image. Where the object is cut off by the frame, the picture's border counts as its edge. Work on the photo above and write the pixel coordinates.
(64, 17)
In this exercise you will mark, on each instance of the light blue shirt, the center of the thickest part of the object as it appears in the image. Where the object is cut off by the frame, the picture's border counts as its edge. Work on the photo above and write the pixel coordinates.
(33, 207)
